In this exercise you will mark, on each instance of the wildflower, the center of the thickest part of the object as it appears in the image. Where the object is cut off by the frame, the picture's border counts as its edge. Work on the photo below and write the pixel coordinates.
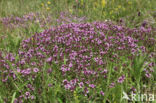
(42, 4)
(48, 2)
(71, 11)
(86, 49)
(115, 68)
(102, 93)
(105, 71)
(26, 71)
(92, 85)
(81, 84)
(15, 100)
(70, 65)
(133, 89)
(74, 81)
(121, 79)
(49, 70)
(18, 70)
(65, 81)
(119, 6)
(48, 8)
(64, 69)
(67, 86)
(112, 85)
(144, 23)
(151, 64)
(148, 75)
(103, 3)
(116, 9)
(49, 60)
(32, 97)
(27, 94)
(111, 12)
(35, 70)
(86, 90)
(49, 85)
(5, 79)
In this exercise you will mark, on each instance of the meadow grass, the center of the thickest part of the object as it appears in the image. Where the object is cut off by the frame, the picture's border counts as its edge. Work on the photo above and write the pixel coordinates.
(43, 76)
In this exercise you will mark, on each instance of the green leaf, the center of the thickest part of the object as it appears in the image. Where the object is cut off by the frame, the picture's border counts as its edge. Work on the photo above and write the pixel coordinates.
(13, 97)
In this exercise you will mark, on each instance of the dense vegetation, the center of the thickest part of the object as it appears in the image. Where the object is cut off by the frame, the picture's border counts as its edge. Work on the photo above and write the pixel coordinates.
(77, 51)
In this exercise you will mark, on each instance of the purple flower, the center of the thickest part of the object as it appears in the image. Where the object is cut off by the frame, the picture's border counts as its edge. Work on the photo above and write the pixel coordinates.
(27, 94)
(64, 69)
(50, 85)
(18, 70)
(15, 101)
(67, 86)
(35, 70)
(65, 81)
(92, 85)
(104, 71)
(80, 51)
(133, 89)
(102, 93)
(49, 70)
(81, 84)
(32, 97)
(121, 79)
(22, 62)
(26, 71)
(148, 75)
(49, 60)
(144, 23)
(112, 85)
(151, 64)
(86, 90)
(70, 65)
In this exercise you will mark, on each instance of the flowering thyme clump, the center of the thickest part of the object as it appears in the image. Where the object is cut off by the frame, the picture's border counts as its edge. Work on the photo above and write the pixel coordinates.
(84, 57)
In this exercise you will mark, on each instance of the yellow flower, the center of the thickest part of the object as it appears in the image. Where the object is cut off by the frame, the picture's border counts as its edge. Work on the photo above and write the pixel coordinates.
(116, 9)
(48, 8)
(111, 12)
(49, 2)
(119, 6)
(103, 3)
(42, 4)
(71, 11)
